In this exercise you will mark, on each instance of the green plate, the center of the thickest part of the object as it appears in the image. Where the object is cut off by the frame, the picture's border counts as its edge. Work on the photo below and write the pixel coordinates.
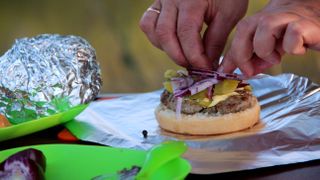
(85, 162)
(39, 124)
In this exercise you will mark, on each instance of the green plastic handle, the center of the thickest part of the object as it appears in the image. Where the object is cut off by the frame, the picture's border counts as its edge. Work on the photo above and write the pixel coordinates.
(160, 155)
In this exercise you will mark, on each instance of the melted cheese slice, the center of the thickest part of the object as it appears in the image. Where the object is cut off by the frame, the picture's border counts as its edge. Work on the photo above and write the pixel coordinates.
(218, 98)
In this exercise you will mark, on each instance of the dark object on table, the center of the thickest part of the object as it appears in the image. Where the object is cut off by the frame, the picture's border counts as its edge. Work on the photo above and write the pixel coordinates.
(124, 174)
(128, 173)
(145, 134)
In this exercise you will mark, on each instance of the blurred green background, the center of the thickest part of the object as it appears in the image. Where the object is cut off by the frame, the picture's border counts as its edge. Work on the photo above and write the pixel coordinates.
(128, 61)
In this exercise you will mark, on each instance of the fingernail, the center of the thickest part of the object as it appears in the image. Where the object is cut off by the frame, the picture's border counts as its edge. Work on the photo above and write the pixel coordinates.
(220, 59)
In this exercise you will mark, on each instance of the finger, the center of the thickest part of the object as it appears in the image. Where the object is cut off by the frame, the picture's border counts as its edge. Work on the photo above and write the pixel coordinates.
(148, 23)
(279, 47)
(241, 49)
(226, 65)
(215, 38)
(260, 65)
(166, 33)
(189, 25)
(273, 58)
(269, 29)
(300, 34)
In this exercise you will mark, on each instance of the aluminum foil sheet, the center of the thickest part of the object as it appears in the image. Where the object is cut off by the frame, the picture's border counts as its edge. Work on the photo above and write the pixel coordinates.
(288, 131)
(47, 74)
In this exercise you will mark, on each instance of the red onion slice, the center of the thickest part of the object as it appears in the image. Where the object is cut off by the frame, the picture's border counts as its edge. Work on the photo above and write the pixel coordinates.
(203, 72)
(181, 93)
(202, 85)
(181, 83)
(210, 93)
(178, 108)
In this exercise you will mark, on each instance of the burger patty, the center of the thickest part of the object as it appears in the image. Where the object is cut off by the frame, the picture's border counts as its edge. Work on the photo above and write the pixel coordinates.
(232, 104)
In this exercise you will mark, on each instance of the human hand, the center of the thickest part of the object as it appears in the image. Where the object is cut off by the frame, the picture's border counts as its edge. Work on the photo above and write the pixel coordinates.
(176, 29)
(283, 26)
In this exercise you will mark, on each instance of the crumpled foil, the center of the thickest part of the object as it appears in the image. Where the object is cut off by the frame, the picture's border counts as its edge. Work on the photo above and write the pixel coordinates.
(47, 74)
(288, 131)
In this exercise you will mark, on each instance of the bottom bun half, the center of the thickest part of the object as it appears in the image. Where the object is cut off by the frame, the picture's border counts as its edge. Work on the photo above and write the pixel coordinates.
(204, 124)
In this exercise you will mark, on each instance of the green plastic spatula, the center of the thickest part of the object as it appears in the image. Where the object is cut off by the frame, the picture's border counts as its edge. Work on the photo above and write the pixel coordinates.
(159, 155)
(162, 159)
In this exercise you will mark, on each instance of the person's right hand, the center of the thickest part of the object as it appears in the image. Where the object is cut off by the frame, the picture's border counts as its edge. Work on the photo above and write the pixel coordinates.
(176, 29)
(283, 26)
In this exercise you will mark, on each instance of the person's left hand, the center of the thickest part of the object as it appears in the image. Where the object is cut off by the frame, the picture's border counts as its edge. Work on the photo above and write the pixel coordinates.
(283, 26)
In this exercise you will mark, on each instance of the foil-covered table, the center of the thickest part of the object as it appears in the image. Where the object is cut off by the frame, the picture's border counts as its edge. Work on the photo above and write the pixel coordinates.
(288, 131)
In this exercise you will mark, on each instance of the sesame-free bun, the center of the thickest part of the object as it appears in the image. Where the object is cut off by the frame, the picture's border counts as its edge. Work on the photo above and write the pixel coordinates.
(205, 124)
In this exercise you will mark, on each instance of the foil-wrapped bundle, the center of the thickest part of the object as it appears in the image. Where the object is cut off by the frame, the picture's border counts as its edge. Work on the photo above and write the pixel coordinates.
(47, 74)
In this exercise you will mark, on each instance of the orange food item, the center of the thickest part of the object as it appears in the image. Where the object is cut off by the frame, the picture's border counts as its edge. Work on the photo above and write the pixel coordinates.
(4, 121)
(66, 135)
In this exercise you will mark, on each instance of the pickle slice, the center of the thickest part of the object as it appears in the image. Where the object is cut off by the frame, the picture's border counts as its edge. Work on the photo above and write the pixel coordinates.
(199, 95)
(170, 73)
(248, 88)
(205, 102)
(201, 98)
(226, 86)
(167, 85)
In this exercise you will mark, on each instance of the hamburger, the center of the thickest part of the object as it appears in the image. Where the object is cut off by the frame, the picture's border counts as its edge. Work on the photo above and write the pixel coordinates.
(203, 102)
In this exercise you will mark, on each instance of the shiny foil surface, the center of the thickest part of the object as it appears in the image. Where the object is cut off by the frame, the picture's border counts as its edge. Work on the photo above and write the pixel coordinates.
(46, 74)
(288, 132)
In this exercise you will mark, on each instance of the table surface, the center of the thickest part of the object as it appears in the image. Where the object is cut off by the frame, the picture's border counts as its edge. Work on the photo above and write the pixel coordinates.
(307, 170)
